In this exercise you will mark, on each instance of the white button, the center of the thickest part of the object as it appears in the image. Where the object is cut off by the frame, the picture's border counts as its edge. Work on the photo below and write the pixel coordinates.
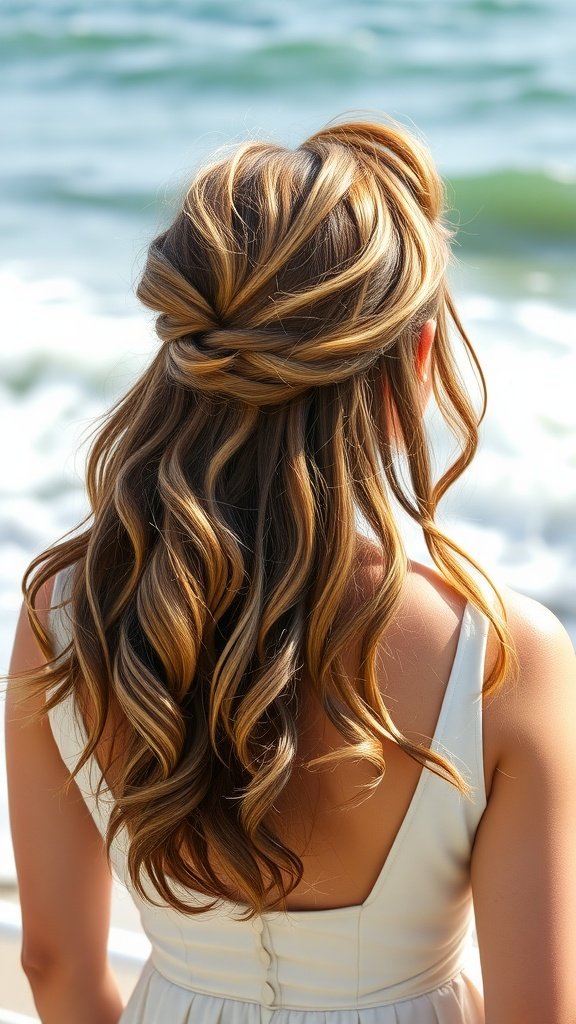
(268, 994)
(265, 957)
(258, 926)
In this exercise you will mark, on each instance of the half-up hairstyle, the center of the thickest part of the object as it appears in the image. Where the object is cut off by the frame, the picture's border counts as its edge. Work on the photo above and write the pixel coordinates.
(290, 292)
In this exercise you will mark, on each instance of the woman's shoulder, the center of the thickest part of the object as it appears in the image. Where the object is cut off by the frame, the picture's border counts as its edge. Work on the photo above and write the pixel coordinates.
(424, 586)
(541, 643)
(538, 636)
(542, 678)
(531, 622)
(429, 615)
(539, 688)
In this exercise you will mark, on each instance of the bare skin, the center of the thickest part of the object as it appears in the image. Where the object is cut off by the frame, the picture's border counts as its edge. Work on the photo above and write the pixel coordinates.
(64, 881)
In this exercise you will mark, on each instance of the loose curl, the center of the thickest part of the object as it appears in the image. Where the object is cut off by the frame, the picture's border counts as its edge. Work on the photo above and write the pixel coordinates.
(290, 291)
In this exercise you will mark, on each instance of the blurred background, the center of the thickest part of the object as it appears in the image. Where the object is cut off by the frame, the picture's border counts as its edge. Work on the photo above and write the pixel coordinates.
(107, 110)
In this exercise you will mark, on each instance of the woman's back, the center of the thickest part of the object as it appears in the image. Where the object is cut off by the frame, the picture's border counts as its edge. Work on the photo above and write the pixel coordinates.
(381, 920)
(247, 676)
(343, 834)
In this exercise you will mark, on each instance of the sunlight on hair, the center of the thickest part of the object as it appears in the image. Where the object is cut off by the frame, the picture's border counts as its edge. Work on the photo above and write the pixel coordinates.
(212, 580)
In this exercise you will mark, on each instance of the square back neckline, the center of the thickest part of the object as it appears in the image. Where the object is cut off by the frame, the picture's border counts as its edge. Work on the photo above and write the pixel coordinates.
(423, 779)
(403, 828)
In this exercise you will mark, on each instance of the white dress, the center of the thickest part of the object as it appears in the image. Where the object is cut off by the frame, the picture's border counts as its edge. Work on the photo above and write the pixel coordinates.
(404, 956)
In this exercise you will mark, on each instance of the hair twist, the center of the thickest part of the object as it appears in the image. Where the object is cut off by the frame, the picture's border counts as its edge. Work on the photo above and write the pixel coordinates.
(257, 366)
(252, 265)
(219, 584)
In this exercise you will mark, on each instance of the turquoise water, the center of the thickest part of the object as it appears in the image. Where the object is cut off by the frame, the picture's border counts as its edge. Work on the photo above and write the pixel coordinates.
(108, 108)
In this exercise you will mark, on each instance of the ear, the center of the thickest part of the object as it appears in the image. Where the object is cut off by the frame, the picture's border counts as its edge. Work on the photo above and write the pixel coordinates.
(423, 352)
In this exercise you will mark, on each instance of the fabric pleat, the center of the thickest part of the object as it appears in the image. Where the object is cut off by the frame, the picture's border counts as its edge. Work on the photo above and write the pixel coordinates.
(156, 1000)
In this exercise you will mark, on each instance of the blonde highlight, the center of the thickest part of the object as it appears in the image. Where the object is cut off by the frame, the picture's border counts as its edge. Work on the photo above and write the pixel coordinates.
(224, 489)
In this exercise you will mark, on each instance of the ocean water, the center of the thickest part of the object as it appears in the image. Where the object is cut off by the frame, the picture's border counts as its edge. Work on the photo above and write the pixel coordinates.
(109, 108)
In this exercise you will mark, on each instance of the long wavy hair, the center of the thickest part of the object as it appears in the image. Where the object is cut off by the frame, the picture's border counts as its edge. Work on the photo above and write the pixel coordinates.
(224, 488)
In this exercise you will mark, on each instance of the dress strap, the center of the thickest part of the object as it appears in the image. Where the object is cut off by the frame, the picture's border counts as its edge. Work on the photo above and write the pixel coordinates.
(65, 722)
(461, 735)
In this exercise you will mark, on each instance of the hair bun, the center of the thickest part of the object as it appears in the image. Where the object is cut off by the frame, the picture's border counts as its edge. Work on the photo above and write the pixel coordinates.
(287, 270)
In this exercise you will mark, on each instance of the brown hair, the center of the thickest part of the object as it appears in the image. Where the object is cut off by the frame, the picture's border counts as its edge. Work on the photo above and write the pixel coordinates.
(224, 489)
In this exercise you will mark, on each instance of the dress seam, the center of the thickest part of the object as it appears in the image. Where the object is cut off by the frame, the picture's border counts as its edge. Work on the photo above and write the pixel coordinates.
(309, 1009)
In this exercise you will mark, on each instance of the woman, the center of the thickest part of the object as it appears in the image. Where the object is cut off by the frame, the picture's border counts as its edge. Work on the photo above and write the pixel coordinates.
(274, 718)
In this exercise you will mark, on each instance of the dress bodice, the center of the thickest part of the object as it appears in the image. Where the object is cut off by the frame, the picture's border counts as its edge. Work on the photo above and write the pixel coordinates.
(403, 950)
